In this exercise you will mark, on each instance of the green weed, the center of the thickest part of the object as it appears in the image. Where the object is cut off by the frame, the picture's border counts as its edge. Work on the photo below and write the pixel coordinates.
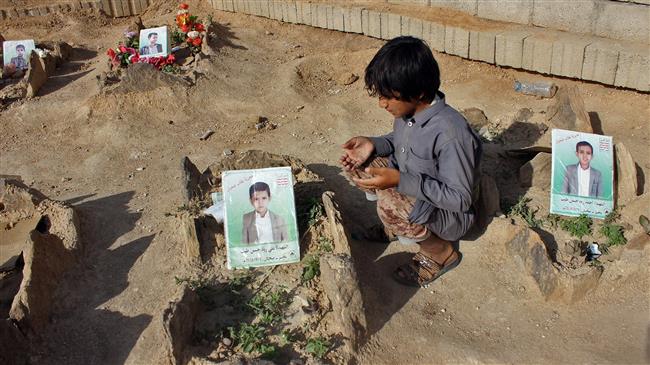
(318, 346)
(311, 268)
(316, 211)
(614, 233)
(269, 305)
(249, 337)
(325, 244)
(522, 210)
(577, 226)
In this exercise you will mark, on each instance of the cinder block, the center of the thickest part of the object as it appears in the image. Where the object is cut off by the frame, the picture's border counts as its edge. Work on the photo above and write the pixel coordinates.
(338, 20)
(412, 26)
(239, 6)
(292, 12)
(633, 69)
(137, 7)
(117, 9)
(520, 11)
(467, 6)
(630, 22)
(353, 22)
(509, 48)
(322, 16)
(365, 22)
(482, 46)
(568, 56)
(394, 26)
(457, 41)
(255, 7)
(216, 4)
(285, 10)
(277, 10)
(601, 60)
(265, 8)
(374, 24)
(434, 35)
(330, 16)
(229, 5)
(384, 25)
(314, 15)
(305, 10)
(573, 16)
(537, 54)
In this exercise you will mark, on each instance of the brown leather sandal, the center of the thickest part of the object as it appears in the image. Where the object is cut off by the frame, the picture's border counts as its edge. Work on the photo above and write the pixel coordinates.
(423, 270)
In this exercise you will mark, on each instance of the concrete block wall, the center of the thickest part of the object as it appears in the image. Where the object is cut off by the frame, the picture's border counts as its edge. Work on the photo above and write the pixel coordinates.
(627, 20)
(598, 59)
(10, 13)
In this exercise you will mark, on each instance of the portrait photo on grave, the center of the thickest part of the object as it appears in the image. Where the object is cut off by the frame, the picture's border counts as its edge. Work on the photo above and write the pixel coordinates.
(582, 174)
(17, 53)
(260, 221)
(154, 42)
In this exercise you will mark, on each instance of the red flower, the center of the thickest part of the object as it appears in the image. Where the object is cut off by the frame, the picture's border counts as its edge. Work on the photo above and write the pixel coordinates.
(199, 27)
(171, 59)
(122, 49)
(196, 42)
(183, 6)
(111, 53)
(185, 28)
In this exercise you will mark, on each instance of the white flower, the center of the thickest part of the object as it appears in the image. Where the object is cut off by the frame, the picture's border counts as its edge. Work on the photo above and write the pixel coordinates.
(193, 34)
(182, 11)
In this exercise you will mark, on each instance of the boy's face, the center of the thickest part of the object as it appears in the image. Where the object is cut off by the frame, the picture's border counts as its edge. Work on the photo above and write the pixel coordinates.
(584, 155)
(153, 39)
(20, 51)
(260, 201)
(398, 108)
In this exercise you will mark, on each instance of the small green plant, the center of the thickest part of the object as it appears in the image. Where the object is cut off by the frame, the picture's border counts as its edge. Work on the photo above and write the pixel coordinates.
(311, 268)
(269, 305)
(578, 227)
(325, 244)
(316, 211)
(286, 337)
(522, 210)
(239, 281)
(553, 220)
(318, 346)
(177, 37)
(614, 233)
(249, 337)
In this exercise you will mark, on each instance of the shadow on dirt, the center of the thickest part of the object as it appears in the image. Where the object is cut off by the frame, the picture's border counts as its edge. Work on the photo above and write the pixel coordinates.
(69, 72)
(224, 37)
(382, 296)
(99, 335)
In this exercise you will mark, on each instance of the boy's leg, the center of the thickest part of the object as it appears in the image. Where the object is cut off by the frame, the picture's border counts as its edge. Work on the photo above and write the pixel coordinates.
(393, 208)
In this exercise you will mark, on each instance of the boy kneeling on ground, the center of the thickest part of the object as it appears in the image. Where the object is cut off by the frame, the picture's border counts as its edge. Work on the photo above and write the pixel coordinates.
(425, 173)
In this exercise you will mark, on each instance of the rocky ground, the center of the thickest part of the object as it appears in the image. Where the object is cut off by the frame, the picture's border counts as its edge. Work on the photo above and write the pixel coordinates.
(115, 157)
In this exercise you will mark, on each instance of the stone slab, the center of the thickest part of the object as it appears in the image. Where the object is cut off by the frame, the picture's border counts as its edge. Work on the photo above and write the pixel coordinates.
(353, 20)
(600, 62)
(305, 10)
(321, 16)
(573, 16)
(568, 57)
(394, 26)
(412, 27)
(509, 48)
(292, 12)
(482, 46)
(374, 24)
(630, 22)
(537, 54)
(457, 41)
(519, 11)
(633, 68)
(434, 35)
(338, 19)
(467, 6)
(626, 176)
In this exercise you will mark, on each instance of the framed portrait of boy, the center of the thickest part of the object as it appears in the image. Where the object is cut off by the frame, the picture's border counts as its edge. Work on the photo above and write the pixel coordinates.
(154, 42)
(260, 217)
(17, 53)
(582, 174)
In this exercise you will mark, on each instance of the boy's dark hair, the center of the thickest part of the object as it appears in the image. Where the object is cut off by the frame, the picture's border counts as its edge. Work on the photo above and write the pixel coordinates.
(151, 35)
(20, 46)
(584, 143)
(404, 68)
(259, 186)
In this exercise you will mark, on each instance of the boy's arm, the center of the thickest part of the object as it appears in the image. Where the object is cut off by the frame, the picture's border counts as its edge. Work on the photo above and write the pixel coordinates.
(452, 188)
(383, 144)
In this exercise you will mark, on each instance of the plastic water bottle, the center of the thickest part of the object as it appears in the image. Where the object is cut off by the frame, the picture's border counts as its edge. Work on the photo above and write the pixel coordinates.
(543, 89)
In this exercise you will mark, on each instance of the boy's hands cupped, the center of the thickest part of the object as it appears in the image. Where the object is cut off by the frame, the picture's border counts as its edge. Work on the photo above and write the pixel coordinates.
(356, 151)
(382, 178)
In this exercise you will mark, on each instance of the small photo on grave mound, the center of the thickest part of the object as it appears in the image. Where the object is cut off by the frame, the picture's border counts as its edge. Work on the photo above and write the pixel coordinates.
(16, 53)
(154, 42)
(260, 217)
(582, 174)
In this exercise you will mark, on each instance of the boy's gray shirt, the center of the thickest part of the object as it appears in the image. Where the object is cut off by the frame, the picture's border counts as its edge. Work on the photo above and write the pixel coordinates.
(438, 156)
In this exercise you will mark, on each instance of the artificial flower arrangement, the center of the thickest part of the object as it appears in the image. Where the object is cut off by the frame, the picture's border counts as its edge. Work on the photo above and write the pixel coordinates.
(190, 30)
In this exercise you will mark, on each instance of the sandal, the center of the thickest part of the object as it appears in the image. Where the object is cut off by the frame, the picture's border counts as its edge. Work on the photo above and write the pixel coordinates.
(423, 270)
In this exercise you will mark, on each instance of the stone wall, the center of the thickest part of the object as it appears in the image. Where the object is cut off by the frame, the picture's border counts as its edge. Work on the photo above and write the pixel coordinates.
(591, 58)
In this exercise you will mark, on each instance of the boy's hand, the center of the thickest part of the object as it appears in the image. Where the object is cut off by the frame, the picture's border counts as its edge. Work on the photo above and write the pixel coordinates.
(356, 151)
(382, 178)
